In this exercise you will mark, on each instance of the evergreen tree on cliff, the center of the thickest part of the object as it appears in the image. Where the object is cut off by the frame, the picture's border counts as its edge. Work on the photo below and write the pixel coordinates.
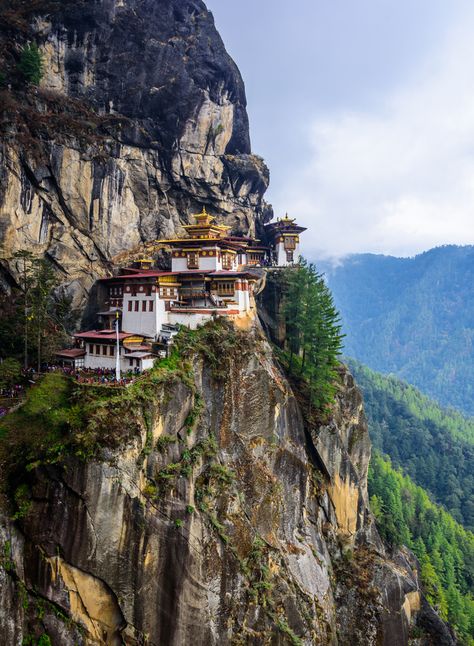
(313, 331)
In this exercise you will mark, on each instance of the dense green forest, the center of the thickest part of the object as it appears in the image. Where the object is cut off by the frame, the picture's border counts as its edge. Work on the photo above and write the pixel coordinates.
(434, 446)
(413, 317)
(406, 516)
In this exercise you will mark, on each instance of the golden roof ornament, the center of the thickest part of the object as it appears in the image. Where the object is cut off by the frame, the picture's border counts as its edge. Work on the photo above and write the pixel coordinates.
(204, 217)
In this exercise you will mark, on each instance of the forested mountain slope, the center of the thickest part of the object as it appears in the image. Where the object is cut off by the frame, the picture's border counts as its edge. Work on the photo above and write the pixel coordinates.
(433, 445)
(413, 317)
(405, 515)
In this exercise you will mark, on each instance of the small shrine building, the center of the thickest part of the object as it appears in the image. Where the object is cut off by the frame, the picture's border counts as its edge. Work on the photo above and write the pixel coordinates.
(284, 237)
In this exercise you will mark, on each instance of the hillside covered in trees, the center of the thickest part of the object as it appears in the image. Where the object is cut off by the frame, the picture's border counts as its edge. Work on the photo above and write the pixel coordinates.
(413, 317)
(434, 446)
(406, 516)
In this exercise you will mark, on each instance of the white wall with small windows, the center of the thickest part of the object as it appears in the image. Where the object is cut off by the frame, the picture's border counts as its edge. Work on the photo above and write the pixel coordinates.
(191, 320)
(287, 256)
(206, 259)
(103, 356)
(142, 363)
(143, 314)
(100, 355)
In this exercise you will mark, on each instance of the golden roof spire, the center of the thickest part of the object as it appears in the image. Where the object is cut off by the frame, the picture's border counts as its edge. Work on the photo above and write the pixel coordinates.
(204, 218)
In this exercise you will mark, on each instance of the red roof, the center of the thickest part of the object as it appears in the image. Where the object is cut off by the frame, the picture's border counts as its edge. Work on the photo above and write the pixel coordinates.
(105, 335)
(152, 273)
(72, 353)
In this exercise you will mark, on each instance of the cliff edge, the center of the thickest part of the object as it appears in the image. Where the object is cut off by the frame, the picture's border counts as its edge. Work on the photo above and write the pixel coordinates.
(197, 506)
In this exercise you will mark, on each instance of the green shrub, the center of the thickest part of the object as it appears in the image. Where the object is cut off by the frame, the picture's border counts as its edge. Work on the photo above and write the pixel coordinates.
(31, 64)
(10, 369)
(22, 500)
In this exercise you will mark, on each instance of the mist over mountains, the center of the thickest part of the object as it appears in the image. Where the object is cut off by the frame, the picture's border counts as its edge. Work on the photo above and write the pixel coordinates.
(413, 317)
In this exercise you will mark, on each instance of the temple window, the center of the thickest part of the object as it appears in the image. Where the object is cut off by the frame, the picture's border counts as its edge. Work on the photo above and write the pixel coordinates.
(143, 306)
(129, 306)
(289, 256)
(193, 260)
(104, 349)
(97, 349)
(225, 288)
(91, 348)
(111, 350)
(226, 261)
(137, 303)
(289, 243)
(150, 306)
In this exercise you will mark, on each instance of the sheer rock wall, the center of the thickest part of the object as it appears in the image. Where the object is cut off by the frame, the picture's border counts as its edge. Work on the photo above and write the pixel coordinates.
(253, 544)
(140, 120)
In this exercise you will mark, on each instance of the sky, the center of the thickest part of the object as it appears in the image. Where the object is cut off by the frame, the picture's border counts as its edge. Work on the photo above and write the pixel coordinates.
(364, 112)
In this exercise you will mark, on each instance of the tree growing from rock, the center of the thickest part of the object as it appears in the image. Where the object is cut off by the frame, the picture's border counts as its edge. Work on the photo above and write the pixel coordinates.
(41, 311)
(313, 331)
(31, 64)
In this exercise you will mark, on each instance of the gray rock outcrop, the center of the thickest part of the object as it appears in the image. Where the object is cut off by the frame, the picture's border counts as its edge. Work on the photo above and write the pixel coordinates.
(139, 121)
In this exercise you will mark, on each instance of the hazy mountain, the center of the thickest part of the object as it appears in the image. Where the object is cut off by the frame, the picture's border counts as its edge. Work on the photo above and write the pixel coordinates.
(413, 317)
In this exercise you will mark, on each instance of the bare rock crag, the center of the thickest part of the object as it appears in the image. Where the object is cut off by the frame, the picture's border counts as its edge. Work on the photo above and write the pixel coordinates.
(140, 120)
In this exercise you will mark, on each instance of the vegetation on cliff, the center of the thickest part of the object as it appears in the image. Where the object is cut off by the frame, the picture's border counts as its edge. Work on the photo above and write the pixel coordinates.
(406, 516)
(209, 469)
(412, 317)
(313, 332)
(34, 318)
(31, 64)
(434, 446)
(61, 417)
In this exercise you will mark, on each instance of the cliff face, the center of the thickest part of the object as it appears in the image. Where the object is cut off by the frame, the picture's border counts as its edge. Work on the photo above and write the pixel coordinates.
(222, 519)
(139, 120)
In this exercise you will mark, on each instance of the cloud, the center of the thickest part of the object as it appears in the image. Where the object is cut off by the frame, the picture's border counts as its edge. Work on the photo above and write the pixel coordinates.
(397, 178)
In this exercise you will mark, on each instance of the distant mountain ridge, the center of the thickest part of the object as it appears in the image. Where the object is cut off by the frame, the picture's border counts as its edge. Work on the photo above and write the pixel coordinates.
(413, 317)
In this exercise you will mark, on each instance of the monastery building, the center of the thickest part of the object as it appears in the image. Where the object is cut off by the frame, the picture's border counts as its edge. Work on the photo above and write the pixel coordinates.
(212, 274)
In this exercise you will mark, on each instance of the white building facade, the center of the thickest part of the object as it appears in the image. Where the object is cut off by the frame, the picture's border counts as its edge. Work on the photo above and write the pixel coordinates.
(210, 276)
(284, 235)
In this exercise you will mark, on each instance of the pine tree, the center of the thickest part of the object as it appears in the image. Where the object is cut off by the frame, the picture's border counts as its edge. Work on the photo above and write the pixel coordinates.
(313, 331)
(31, 64)
(41, 302)
(37, 280)
(406, 515)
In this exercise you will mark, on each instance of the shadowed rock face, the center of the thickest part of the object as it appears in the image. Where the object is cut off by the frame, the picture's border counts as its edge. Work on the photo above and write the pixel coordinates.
(140, 120)
(251, 544)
